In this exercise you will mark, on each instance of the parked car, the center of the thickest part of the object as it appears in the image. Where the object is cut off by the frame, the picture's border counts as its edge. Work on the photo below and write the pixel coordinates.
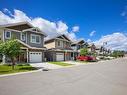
(86, 58)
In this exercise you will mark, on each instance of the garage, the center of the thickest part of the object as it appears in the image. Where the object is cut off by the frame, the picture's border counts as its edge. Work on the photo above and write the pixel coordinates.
(59, 56)
(35, 57)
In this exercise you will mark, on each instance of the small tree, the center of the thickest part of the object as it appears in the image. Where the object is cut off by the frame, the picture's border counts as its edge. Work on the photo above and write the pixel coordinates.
(84, 52)
(117, 53)
(11, 49)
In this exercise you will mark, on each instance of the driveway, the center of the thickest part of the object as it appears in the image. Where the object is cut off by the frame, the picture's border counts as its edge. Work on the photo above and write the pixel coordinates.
(103, 78)
(45, 65)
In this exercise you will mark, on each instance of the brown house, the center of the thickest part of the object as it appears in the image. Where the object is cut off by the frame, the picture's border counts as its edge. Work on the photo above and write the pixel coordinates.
(30, 37)
(59, 48)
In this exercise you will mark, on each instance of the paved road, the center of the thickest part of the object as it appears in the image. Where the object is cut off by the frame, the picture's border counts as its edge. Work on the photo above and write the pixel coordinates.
(104, 78)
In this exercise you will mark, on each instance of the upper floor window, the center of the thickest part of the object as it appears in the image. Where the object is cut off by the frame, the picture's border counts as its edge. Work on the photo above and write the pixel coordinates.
(68, 44)
(35, 38)
(23, 36)
(78, 47)
(58, 43)
(7, 34)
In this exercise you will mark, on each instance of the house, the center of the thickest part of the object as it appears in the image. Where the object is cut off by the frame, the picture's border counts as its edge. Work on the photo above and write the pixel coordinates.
(91, 48)
(59, 48)
(30, 38)
(77, 45)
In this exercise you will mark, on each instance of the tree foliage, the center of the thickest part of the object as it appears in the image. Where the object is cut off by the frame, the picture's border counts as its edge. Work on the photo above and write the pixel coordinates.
(11, 49)
(84, 51)
(117, 53)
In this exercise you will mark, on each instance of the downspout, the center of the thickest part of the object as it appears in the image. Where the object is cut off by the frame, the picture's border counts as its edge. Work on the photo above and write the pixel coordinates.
(3, 59)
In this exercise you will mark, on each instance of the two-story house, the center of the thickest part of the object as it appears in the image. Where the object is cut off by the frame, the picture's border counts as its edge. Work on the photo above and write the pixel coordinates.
(59, 48)
(30, 38)
(77, 45)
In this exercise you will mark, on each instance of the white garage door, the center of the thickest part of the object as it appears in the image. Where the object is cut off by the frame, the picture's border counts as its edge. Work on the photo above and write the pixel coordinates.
(35, 57)
(59, 56)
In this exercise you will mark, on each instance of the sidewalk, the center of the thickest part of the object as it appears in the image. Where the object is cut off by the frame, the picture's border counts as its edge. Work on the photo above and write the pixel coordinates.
(45, 65)
(73, 62)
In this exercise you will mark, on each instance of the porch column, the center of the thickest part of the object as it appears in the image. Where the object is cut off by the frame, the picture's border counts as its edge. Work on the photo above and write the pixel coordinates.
(27, 54)
(3, 59)
(73, 56)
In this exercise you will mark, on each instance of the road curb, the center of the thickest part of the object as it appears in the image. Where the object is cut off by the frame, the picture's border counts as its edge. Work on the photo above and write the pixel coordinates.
(13, 74)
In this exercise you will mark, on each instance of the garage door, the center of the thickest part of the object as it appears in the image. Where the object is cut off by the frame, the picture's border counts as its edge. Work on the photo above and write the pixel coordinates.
(35, 57)
(59, 56)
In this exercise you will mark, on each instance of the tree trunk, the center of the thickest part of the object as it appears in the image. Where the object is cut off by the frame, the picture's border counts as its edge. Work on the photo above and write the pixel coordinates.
(13, 63)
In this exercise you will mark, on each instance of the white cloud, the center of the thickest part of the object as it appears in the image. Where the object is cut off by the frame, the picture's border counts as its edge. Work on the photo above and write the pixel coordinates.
(49, 27)
(89, 40)
(92, 33)
(75, 29)
(124, 13)
(72, 35)
(115, 41)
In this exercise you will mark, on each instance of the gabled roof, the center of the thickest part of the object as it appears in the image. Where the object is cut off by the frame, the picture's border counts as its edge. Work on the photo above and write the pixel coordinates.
(29, 26)
(78, 41)
(59, 35)
(18, 23)
(26, 45)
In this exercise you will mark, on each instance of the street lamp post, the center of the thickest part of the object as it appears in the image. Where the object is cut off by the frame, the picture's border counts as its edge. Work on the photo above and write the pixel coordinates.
(104, 43)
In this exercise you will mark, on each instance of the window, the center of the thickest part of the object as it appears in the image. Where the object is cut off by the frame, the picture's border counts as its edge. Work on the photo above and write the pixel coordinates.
(67, 44)
(58, 43)
(35, 38)
(7, 34)
(23, 36)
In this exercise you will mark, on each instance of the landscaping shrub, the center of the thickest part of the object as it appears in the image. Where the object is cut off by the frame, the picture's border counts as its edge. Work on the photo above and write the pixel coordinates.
(26, 64)
(8, 64)
(19, 64)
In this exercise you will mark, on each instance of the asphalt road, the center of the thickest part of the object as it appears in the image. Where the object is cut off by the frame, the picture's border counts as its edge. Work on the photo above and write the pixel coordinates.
(104, 78)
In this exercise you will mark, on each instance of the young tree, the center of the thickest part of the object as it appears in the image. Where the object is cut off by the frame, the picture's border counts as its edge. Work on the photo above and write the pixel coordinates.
(11, 49)
(117, 53)
(84, 52)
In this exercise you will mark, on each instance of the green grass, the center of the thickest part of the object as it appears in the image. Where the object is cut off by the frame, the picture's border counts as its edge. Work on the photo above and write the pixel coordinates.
(6, 69)
(84, 62)
(60, 63)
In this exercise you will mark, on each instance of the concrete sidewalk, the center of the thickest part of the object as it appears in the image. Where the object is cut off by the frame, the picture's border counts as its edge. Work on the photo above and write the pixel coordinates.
(73, 62)
(45, 65)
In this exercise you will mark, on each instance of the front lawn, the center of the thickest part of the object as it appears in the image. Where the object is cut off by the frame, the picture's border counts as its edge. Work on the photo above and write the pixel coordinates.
(7, 69)
(60, 63)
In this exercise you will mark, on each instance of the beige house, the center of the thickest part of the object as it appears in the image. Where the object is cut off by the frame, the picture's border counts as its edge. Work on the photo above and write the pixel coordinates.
(30, 38)
(59, 48)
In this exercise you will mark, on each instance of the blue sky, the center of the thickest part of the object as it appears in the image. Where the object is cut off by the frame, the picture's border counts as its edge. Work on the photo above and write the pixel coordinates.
(101, 16)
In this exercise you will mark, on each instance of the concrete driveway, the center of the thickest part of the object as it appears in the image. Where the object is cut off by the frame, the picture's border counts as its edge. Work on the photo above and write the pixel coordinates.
(103, 78)
(45, 65)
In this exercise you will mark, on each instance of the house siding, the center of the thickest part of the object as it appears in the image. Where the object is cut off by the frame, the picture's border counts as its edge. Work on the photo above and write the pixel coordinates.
(50, 45)
(17, 35)
(40, 45)
(63, 45)
(1, 34)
